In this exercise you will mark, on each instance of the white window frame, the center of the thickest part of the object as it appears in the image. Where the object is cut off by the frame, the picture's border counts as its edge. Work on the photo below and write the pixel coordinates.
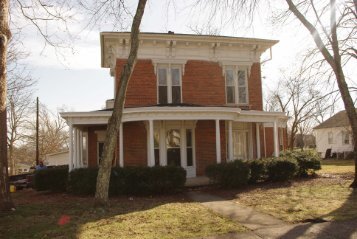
(344, 135)
(235, 70)
(330, 137)
(168, 68)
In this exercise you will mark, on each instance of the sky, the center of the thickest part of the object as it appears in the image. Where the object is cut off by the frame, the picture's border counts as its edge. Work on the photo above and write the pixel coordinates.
(74, 81)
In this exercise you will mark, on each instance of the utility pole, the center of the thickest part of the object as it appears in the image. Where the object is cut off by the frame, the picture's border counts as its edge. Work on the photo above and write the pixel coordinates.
(37, 129)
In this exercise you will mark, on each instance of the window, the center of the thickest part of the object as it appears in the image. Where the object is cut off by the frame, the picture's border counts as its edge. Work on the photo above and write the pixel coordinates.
(345, 137)
(169, 84)
(100, 147)
(236, 86)
(330, 137)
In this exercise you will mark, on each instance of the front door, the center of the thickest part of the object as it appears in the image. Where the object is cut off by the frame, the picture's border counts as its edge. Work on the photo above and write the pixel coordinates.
(180, 150)
(240, 144)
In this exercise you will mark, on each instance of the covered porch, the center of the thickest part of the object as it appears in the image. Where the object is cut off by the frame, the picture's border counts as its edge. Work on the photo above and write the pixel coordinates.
(186, 136)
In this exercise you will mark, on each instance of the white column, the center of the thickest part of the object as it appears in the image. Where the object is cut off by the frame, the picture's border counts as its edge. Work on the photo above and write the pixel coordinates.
(257, 136)
(121, 148)
(151, 159)
(218, 142)
(77, 149)
(265, 142)
(80, 148)
(276, 140)
(70, 163)
(230, 141)
(74, 147)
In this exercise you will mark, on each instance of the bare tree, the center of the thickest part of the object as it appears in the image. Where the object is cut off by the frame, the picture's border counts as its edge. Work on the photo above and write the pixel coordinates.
(40, 15)
(300, 97)
(53, 133)
(101, 194)
(19, 98)
(5, 35)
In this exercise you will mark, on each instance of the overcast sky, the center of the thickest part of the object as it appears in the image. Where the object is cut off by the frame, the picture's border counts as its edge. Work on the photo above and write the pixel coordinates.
(78, 83)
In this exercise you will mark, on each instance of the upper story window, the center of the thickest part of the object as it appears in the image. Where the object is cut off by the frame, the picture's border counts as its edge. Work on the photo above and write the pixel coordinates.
(236, 86)
(345, 137)
(169, 84)
(330, 137)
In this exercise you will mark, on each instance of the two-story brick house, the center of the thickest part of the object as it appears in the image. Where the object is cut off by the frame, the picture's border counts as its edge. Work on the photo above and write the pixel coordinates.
(192, 101)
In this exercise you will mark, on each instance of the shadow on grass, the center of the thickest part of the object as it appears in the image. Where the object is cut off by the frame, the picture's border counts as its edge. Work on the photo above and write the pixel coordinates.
(332, 229)
(57, 215)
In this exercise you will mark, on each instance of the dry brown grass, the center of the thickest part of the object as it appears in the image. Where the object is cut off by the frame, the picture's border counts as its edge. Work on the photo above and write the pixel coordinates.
(41, 215)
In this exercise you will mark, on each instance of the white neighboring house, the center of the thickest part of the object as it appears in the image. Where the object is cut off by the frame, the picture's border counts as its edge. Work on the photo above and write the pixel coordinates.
(57, 159)
(335, 134)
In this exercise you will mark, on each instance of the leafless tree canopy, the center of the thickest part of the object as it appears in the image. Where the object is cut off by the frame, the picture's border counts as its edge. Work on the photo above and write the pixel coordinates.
(303, 99)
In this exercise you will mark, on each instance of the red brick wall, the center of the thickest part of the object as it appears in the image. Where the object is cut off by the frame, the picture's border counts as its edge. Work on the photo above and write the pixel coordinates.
(203, 83)
(134, 143)
(142, 89)
(205, 136)
(255, 88)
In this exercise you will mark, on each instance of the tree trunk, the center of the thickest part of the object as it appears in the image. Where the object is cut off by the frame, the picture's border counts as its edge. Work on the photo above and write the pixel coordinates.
(335, 62)
(101, 194)
(5, 197)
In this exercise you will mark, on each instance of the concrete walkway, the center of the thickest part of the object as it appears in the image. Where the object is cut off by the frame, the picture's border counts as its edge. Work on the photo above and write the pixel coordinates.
(266, 226)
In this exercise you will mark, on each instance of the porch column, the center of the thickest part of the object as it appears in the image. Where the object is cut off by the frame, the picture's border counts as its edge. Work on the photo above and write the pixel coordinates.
(75, 151)
(276, 140)
(257, 136)
(78, 149)
(218, 142)
(81, 148)
(70, 163)
(121, 148)
(230, 141)
(151, 159)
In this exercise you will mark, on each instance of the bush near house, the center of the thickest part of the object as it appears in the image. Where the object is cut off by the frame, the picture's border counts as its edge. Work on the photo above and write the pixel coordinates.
(130, 180)
(229, 175)
(51, 179)
(238, 173)
(282, 169)
(258, 170)
(308, 161)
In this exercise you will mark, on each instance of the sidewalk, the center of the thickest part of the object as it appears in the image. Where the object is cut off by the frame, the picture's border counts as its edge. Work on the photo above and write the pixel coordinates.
(266, 226)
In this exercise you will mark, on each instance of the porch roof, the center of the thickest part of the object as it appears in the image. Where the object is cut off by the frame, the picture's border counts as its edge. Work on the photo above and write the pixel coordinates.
(175, 113)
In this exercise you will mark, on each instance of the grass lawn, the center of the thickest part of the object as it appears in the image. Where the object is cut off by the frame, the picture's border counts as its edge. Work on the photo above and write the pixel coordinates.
(327, 196)
(333, 166)
(43, 215)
